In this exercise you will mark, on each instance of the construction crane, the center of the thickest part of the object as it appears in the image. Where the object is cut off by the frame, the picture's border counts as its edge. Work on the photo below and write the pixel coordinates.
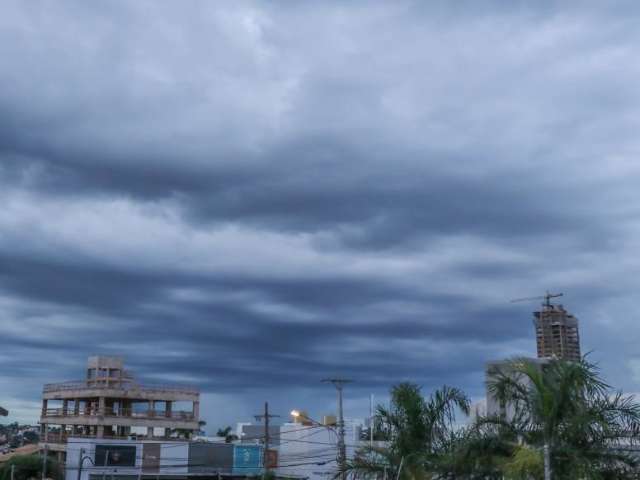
(546, 297)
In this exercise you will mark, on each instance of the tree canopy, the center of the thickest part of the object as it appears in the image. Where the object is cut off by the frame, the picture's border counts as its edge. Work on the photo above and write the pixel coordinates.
(560, 420)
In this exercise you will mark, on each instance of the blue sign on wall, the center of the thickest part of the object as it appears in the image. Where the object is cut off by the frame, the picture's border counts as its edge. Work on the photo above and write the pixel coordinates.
(247, 459)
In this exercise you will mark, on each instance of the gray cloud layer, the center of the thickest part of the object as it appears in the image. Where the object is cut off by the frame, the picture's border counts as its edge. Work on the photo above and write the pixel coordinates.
(252, 196)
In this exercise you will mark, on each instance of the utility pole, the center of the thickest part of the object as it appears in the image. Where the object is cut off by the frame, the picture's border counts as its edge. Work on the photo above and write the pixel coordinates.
(44, 462)
(266, 416)
(13, 471)
(371, 422)
(342, 449)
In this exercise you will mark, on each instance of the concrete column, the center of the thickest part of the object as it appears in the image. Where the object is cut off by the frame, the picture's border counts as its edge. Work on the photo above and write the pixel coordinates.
(45, 432)
(167, 432)
(44, 406)
(167, 409)
(100, 431)
(152, 408)
(149, 432)
(101, 405)
(65, 407)
(196, 410)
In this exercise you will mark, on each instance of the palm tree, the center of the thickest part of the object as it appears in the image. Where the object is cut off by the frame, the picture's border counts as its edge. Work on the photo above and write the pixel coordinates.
(568, 412)
(420, 432)
(228, 434)
(482, 451)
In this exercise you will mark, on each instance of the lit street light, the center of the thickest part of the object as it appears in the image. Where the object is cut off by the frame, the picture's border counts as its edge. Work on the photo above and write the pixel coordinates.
(304, 416)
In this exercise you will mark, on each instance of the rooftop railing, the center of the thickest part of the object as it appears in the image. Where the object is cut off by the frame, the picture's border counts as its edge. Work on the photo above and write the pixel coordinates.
(117, 384)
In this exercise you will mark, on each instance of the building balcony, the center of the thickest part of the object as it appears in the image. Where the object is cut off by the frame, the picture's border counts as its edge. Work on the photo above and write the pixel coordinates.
(119, 413)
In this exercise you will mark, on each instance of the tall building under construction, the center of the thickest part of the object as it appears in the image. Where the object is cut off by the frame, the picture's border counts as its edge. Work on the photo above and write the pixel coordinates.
(556, 333)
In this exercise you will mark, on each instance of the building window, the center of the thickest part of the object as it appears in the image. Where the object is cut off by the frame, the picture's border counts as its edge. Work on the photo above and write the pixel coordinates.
(116, 455)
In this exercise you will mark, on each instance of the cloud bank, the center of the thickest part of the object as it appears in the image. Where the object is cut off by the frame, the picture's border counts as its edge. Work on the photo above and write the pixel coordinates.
(252, 197)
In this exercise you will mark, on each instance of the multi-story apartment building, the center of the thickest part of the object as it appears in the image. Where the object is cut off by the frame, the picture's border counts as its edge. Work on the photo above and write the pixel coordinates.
(109, 403)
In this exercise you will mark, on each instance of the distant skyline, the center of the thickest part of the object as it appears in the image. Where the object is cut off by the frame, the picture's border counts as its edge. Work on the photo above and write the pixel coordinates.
(252, 196)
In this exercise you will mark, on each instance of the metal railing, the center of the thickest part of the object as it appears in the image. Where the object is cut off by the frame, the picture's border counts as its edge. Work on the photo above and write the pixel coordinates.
(61, 437)
(118, 384)
(122, 413)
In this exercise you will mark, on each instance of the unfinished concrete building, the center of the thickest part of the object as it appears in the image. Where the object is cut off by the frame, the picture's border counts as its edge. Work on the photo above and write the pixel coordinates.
(556, 333)
(497, 368)
(110, 403)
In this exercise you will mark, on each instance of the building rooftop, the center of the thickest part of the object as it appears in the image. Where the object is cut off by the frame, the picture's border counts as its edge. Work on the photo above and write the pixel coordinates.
(108, 373)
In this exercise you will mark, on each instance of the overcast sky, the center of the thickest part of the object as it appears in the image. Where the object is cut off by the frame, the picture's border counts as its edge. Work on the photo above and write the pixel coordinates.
(251, 196)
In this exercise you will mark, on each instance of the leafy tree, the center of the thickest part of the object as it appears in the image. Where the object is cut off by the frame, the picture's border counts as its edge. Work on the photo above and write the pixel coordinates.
(30, 437)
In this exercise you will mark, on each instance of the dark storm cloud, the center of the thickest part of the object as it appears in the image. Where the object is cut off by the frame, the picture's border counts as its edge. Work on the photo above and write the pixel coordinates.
(298, 189)
(251, 197)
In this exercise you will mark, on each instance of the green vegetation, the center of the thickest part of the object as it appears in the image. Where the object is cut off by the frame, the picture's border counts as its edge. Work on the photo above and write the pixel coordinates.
(30, 437)
(566, 411)
(560, 421)
(17, 435)
(420, 433)
(228, 434)
(29, 467)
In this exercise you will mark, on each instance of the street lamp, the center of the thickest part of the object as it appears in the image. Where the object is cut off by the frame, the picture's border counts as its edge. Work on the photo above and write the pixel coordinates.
(299, 414)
